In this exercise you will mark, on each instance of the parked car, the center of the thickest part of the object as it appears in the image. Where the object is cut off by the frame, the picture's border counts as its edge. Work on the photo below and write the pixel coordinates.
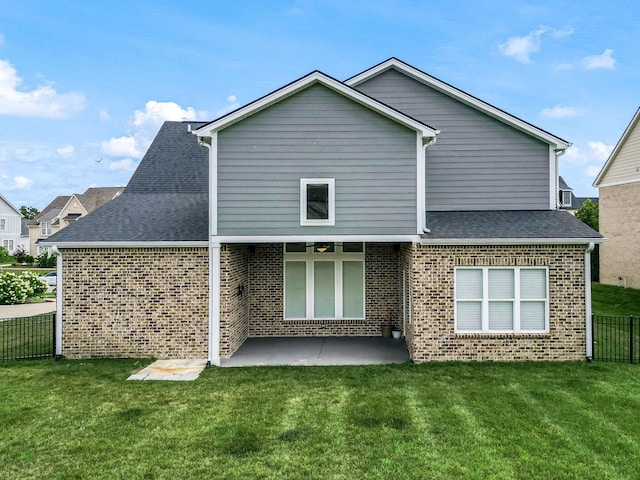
(50, 279)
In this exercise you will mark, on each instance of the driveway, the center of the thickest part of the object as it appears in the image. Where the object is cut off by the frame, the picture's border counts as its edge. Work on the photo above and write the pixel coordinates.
(26, 309)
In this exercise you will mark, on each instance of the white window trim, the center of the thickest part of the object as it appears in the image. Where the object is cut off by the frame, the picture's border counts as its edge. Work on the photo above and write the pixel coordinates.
(304, 221)
(337, 256)
(43, 230)
(564, 202)
(3, 224)
(516, 301)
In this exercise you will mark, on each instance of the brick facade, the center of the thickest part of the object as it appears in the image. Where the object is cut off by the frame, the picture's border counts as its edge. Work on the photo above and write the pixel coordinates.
(620, 224)
(153, 302)
(135, 302)
(431, 335)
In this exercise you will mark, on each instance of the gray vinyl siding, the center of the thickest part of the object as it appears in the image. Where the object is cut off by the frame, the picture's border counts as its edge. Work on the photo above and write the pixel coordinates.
(316, 133)
(478, 162)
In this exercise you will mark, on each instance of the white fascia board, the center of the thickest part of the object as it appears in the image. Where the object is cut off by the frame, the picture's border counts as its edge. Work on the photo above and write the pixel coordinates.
(619, 182)
(463, 97)
(317, 238)
(511, 241)
(605, 168)
(303, 83)
(124, 244)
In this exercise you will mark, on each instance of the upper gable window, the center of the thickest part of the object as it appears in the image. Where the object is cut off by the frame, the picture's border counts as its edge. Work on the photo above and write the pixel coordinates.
(565, 198)
(317, 201)
(3, 223)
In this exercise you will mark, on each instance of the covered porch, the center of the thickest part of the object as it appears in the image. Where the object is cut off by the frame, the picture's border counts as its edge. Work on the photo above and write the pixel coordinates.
(256, 324)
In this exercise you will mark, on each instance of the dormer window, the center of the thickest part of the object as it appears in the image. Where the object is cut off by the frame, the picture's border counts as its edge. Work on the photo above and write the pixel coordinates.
(565, 198)
(317, 201)
(45, 228)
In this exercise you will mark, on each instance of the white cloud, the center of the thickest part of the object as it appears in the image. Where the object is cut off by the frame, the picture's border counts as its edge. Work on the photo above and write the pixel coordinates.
(42, 102)
(122, 147)
(521, 48)
(124, 164)
(593, 171)
(561, 111)
(604, 61)
(600, 150)
(21, 182)
(144, 126)
(66, 151)
(232, 104)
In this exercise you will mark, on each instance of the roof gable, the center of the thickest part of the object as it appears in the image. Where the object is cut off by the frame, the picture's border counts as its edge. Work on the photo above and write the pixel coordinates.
(303, 83)
(461, 96)
(628, 146)
(10, 205)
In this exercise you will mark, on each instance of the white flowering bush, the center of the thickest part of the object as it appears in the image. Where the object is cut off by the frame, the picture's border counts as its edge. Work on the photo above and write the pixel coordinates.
(13, 289)
(37, 287)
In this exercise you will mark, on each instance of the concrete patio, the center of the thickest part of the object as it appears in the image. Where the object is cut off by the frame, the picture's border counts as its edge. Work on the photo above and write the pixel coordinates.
(318, 351)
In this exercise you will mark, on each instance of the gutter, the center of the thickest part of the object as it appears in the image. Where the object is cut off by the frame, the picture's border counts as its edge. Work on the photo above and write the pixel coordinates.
(58, 254)
(587, 300)
(511, 241)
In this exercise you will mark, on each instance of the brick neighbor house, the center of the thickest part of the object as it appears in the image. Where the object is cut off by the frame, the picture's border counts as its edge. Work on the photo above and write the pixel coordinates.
(329, 208)
(618, 185)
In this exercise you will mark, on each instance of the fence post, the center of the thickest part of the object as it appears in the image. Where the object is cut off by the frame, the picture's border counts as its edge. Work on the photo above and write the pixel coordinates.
(54, 335)
(631, 342)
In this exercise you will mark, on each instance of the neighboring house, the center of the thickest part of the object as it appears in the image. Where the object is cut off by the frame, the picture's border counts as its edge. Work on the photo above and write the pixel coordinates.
(24, 235)
(329, 208)
(619, 190)
(567, 199)
(65, 210)
(10, 225)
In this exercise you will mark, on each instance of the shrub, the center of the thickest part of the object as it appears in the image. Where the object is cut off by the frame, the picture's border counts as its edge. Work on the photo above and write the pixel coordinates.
(4, 255)
(13, 289)
(37, 287)
(21, 255)
(44, 260)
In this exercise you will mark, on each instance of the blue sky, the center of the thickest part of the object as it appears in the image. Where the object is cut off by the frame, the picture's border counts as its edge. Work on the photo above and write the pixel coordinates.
(84, 86)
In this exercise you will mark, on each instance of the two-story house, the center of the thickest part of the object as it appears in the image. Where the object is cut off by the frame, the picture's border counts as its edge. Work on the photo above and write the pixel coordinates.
(10, 226)
(329, 208)
(64, 210)
(618, 184)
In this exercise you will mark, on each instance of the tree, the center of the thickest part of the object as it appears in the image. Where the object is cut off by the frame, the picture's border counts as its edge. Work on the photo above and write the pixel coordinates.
(589, 213)
(29, 212)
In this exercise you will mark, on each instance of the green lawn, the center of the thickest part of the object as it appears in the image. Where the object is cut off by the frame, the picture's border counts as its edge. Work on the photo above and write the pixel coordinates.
(81, 419)
(610, 300)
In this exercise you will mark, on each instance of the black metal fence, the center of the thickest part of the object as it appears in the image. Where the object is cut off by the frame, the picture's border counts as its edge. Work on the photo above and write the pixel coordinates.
(27, 337)
(616, 339)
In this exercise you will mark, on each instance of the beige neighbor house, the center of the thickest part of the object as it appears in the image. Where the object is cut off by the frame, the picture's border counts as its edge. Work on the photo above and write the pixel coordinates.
(619, 190)
(329, 208)
(65, 210)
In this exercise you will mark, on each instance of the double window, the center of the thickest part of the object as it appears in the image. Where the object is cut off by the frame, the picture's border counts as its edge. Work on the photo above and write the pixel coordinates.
(45, 228)
(8, 244)
(324, 280)
(496, 299)
(317, 201)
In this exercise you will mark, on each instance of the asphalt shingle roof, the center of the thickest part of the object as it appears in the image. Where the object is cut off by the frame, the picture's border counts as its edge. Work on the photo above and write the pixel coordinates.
(509, 224)
(166, 200)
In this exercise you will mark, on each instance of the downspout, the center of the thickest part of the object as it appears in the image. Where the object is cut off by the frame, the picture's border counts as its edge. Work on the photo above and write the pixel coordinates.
(213, 343)
(587, 299)
(58, 254)
(426, 143)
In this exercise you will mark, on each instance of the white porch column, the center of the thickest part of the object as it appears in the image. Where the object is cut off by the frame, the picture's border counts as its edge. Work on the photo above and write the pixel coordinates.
(214, 303)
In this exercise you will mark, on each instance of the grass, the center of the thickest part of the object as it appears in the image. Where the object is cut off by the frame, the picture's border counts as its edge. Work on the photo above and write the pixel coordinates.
(81, 419)
(27, 337)
(610, 300)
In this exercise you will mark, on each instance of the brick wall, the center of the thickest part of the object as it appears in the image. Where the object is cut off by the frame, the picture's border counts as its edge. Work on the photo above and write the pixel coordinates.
(135, 302)
(620, 225)
(432, 336)
(266, 279)
(234, 297)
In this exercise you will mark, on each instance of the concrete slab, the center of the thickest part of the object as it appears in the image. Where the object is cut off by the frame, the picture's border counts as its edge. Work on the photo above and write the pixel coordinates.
(171, 370)
(318, 351)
